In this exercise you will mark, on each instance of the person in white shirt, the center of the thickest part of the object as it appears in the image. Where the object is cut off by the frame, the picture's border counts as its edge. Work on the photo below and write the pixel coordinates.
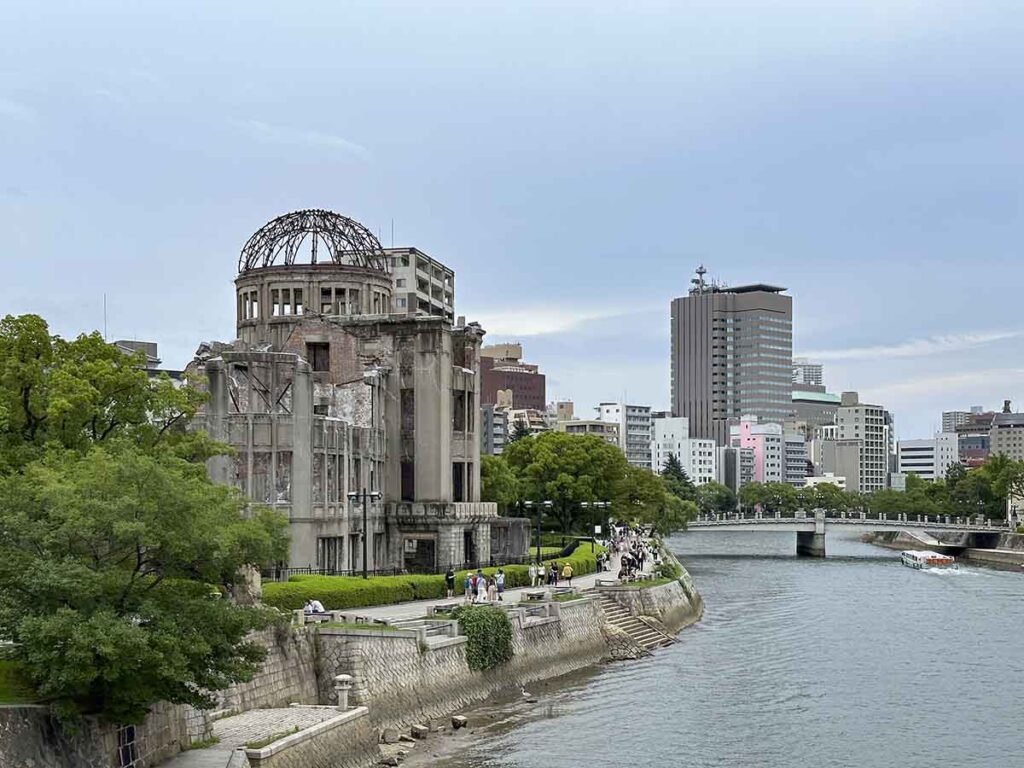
(314, 606)
(533, 575)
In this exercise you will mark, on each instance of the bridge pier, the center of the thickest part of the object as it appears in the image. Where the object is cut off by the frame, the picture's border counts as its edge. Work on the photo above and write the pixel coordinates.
(812, 543)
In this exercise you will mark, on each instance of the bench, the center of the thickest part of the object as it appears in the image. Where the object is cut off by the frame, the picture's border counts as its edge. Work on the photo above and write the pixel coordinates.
(563, 591)
(538, 594)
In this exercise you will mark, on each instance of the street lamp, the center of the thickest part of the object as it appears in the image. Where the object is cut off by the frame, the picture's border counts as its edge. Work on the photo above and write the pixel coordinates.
(594, 505)
(540, 513)
(364, 495)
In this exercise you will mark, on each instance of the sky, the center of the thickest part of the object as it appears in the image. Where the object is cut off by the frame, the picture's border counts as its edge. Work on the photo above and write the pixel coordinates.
(572, 161)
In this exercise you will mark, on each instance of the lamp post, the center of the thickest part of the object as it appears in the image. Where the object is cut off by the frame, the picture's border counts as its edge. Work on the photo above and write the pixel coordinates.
(594, 505)
(364, 495)
(541, 506)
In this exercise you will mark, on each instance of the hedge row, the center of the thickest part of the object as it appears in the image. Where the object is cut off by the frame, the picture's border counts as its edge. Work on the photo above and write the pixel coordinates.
(339, 593)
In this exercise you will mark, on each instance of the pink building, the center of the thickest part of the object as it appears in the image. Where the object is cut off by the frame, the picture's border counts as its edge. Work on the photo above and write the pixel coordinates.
(766, 442)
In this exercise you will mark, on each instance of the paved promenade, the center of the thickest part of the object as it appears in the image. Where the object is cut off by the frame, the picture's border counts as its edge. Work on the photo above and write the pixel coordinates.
(417, 609)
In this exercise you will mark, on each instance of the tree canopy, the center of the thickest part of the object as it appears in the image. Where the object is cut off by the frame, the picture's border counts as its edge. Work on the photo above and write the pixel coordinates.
(116, 551)
(573, 472)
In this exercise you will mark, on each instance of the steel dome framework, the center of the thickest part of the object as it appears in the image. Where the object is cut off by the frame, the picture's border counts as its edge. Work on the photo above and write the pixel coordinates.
(330, 237)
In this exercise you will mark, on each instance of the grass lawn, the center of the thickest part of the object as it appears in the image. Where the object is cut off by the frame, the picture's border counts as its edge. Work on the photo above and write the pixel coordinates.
(13, 689)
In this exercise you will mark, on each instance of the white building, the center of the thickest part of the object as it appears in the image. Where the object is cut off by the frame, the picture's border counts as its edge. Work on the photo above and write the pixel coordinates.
(766, 442)
(698, 457)
(794, 459)
(928, 459)
(828, 477)
(634, 430)
(806, 372)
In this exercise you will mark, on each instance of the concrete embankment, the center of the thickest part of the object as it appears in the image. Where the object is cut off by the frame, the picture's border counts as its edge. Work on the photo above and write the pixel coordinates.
(1008, 549)
(398, 680)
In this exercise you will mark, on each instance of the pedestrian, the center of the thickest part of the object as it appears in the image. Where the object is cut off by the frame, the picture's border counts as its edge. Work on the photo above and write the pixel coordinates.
(449, 582)
(499, 582)
(467, 586)
(567, 573)
(492, 590)
(553, 575)
(533, 571)
(481, 586)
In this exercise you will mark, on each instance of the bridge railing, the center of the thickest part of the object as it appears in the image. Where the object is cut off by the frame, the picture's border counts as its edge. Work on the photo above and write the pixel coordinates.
(853, 516)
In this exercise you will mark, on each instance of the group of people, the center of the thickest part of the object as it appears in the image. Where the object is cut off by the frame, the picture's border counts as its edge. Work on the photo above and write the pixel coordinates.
(540, 575)
(477, 587)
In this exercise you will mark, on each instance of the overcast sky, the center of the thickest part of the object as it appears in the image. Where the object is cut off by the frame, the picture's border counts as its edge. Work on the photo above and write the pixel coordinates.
(572, 161)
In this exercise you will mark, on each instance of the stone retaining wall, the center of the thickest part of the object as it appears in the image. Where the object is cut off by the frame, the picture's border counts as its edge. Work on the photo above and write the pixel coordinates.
(347, 741)
(288, 674)
(403, 682)
(32, 738)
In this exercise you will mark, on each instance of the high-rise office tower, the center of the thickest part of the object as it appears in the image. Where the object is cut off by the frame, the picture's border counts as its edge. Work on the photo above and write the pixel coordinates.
(732, 356)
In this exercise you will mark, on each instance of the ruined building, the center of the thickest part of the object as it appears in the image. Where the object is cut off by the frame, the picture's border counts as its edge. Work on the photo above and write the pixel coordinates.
(328, 390)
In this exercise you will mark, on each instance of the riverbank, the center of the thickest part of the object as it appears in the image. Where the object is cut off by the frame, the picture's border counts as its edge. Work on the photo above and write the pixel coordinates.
(1008, 554)
(361, 681)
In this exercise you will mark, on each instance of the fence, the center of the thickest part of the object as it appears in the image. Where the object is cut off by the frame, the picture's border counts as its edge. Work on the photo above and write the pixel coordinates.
(284, 573)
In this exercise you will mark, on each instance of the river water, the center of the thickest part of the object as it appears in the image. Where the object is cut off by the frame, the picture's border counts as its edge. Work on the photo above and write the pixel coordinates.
(849, 661)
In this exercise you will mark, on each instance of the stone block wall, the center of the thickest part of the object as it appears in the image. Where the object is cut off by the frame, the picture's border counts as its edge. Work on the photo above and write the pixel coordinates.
(32, 738)
(349, 741)
(287, 675)
(403, 683)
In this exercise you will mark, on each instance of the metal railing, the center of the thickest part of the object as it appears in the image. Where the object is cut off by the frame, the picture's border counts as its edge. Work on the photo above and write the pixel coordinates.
(284, 573)
(855, 517)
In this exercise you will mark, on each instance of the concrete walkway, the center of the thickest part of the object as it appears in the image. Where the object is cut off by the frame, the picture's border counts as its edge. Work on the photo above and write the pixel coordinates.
(417, 609)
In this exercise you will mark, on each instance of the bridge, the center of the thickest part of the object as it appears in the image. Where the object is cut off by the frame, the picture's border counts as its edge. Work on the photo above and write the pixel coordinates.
(810, 527)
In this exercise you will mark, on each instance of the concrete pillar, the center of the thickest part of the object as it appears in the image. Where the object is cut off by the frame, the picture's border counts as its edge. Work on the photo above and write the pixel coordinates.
(812, 544)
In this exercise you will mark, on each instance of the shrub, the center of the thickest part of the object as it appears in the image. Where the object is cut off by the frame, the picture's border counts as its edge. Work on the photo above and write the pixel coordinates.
(488, 636)
(668, 570)
(339, 593)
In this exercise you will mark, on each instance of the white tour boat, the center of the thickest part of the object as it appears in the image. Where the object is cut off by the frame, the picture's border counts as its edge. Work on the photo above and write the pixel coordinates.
(924, 558)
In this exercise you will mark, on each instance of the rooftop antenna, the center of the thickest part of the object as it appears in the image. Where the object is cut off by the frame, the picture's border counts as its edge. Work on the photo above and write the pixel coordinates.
(698, 281)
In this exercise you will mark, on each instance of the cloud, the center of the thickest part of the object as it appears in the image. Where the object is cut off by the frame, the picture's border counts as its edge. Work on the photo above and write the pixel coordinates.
(15, 111)
(541, 321)
(933, 345)
(976, 381)
(278, 134)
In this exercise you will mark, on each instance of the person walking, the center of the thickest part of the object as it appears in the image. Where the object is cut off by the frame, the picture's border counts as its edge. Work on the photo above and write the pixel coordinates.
(481, 586)
(467, 586)
(499, 583)
(449, 582)
(492, 591)
(533, 574)
(567, 573)
(553, 575)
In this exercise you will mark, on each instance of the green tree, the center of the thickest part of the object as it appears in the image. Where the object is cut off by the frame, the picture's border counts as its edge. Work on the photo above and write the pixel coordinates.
(715, 497)
(644, 497)
(520, 430)
(497, 482)
(566, 470)
(112, 539)
(678, 482)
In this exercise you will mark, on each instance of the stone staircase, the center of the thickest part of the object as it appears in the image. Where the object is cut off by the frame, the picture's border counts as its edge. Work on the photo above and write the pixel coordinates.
(646, 636)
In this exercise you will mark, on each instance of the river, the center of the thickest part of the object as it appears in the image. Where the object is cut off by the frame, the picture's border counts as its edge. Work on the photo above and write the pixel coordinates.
(849, 661)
